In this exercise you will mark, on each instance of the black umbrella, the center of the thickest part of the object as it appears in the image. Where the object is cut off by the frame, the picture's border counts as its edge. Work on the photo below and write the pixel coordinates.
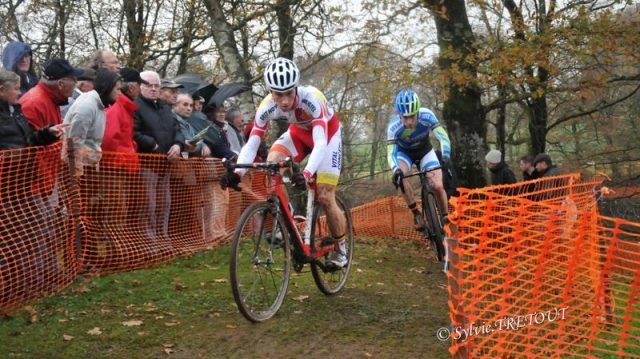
(206, 90)
(226, 91)
(190, 81)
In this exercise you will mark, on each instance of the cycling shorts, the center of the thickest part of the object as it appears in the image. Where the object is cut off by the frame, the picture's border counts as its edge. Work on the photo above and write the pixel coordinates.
(425, 159)
(299, 144)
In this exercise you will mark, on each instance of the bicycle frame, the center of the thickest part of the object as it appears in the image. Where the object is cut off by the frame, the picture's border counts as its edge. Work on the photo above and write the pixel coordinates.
(279, 198)
(433, 228)
(423, 176)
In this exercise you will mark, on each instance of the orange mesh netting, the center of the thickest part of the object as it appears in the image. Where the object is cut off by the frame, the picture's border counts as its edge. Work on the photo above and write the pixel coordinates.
(133, 211)
(37, 253)
(538, 273)
(154, 209)
(515, 251)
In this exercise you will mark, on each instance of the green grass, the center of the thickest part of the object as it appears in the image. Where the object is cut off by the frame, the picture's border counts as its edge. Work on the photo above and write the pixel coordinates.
(393, 304)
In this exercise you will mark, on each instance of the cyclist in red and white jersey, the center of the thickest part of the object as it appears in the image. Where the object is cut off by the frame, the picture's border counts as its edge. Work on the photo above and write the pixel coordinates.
(314, 131)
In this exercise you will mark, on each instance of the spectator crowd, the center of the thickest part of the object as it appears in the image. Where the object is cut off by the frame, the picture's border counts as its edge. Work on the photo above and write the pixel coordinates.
(532, 168)
(110, 120)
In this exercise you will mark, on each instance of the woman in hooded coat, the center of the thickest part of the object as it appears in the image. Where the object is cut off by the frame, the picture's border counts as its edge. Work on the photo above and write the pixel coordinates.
(16, 57)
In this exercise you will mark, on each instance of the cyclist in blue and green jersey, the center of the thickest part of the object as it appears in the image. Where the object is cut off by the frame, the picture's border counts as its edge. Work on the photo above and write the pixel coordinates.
(408, 143)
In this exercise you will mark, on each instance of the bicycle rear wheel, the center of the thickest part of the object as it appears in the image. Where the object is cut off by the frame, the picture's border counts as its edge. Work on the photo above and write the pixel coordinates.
(431, 210)
(260, 262)
(330, 279)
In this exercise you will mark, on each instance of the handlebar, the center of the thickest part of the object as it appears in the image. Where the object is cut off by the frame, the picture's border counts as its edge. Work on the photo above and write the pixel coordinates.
(272, 166)
(423, 172)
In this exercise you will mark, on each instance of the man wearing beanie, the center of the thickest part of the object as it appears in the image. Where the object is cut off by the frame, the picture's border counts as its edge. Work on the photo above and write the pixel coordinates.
(86, 118)
(500, 171)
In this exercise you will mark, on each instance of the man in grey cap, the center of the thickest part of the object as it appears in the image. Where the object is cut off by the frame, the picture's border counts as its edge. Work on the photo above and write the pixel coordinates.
(85, 84)
(169, 91)
(544, 166)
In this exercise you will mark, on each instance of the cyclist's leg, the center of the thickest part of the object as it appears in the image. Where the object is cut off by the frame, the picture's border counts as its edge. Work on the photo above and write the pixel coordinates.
(430, 160)
(405, 161)
(405, 167)
(286, 146)
(327, 179)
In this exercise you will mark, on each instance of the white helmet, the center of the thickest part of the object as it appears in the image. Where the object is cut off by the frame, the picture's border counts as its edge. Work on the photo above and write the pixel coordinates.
(281, 75)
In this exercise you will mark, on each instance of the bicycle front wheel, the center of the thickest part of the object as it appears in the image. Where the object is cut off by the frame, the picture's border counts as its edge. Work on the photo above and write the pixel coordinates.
(329, 278)
(431, 210)
(260, 262)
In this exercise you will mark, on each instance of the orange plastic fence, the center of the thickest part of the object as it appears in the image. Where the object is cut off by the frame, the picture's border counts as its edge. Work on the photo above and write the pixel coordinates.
(538, 273)
(37, 253)
(534, 271)
(58, 219)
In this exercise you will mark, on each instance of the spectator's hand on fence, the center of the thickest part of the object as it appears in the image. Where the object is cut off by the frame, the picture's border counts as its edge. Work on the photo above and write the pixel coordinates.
(189, 148)
(58, 130)
(230, 179)
(206, 151)
(397, 178)
(174, 151)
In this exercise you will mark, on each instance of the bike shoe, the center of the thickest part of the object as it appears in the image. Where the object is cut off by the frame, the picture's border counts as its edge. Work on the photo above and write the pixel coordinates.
(338, 259)
(418, 221)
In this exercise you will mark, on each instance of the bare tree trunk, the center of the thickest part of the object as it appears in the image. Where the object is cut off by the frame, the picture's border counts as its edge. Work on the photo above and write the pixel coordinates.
(501, 121)
(463, 112)
(63, 17)
(12, 21)
(234, 64)
(286, 35)
(537, 81)
(375, 144)
(92, 25)
(134, 12)
(286, 31)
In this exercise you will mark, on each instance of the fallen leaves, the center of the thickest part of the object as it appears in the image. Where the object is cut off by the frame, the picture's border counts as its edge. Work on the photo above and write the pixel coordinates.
(301, 298)
(180, 286)
(172, 323)
(133, 323)
(33, 314)
(81, 289)
(149, 307)
(94, 331)
(220, 280)
(230, 326)
(67, 337)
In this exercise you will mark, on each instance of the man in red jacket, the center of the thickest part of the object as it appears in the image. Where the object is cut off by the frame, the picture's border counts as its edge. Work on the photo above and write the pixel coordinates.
(40, 107)
(118, 133)
(122, 168)
(41, 104)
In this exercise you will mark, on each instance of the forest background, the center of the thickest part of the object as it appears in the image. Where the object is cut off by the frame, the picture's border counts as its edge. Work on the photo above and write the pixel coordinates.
(524, 77)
